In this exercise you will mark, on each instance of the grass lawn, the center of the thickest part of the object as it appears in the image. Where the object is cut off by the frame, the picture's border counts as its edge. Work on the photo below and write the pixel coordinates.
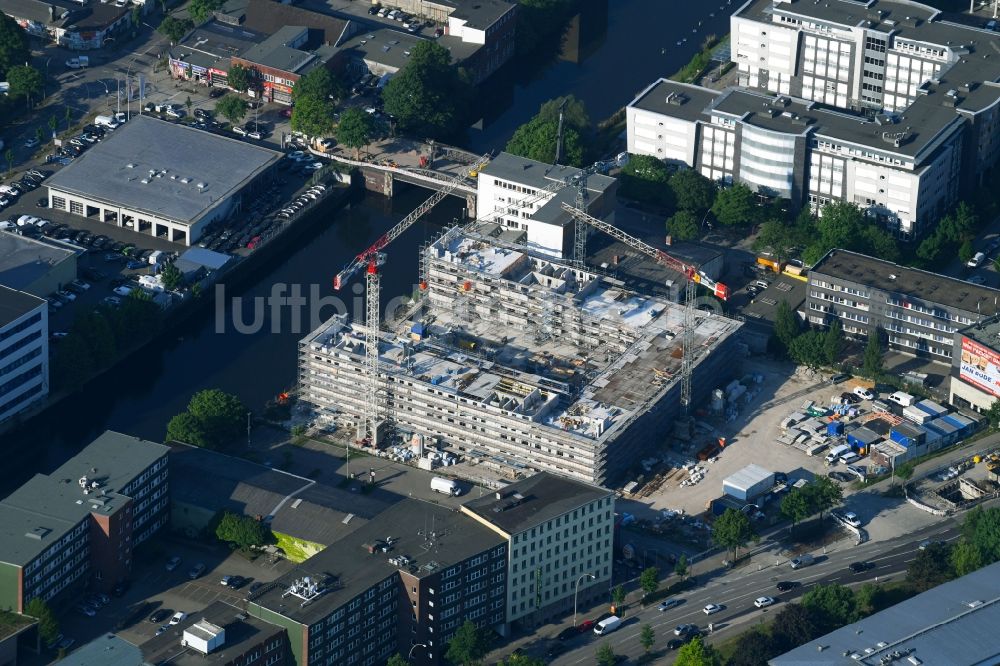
(297, 550)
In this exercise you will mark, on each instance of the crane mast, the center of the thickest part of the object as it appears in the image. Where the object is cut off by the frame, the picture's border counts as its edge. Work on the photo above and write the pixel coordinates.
(692, 277)
(370, 259)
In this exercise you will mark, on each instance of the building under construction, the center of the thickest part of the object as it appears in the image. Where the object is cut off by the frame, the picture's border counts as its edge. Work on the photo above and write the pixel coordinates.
(523, 362)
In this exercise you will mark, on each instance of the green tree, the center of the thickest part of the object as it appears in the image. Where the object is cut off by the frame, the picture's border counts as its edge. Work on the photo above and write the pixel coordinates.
(833, 342)
(574, 114)
(171, 277)
(877, 242)
(468, 646)
(242, 531)
(188, 104)
(618, 599)
(981, 528)
(68, 116)
(873, 361)
(73, 363)
(25, 81)
(222, 415)
(39, 135)
(521, 659)
(53, 123)
(238, 78)
(693, 191)
(355, 130)
(95, 330)
(319, 83)
(793, 626)
(649, 580)
(681, 567)
(931, 567)
(9, 156)
(832, 606)
(808, 349)
(606, 655)
(787, 324)
(646, 179)
(736, 206)
(965, 251)
(683, 225)
(795, 506)
(174, 29)
(313, 116)
(647, 637)
(778, 238)
(134, 16)
(186, 428)
(930, 248)
(232, 108)
(536, 140)
(966, 558)
(868, 599)
(732, 530)
(993, 414)
(697, 653)
(14, 48)
(48, 625)
(429, 96)
(201, 10)
(397, 660)
(753, 648)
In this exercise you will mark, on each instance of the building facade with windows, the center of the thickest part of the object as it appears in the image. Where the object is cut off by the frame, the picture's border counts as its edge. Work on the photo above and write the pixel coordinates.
(560, 534)
(74, 530)
(511, 193)
(892, 106)
(975, 371)
(24, 351)
(919, 311)
(406, 580)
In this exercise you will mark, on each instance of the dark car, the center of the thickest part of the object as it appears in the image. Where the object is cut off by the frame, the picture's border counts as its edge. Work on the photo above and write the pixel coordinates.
(120, 588)
(555, 650)
(568, 633)
(217, 92)
(850, 398)
(675, 644)
(843, 477)
(786, 585)
(861, 567)
(42, 202)
(160, 615)
(256, 586)
(586, 625)
(840, 378)
(201, 113)
(236, 582)
(373, 10)
(92, 274)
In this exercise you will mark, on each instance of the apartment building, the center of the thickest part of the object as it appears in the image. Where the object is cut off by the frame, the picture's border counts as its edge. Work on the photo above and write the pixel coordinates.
(406, 580)
(74, 530)
(510, 191)
(889, 105)
(921, 312)
(522, 363)
(560, 537)
(24, 351)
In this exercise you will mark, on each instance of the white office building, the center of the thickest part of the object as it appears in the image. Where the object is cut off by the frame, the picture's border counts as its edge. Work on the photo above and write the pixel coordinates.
(561, 535)
(24, 351)
(893, 106)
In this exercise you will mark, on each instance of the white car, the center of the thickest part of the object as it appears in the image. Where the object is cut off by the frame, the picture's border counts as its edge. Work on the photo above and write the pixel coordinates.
(852, 519)
(239, 130)
(976, 260)
(863, 393)
(123, 290)
(174, 113)
(711, 609)
(31, 143)
(178, 617)
(762, 602)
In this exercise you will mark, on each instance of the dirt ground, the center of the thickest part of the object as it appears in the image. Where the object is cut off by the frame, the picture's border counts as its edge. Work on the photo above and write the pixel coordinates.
(750, 438)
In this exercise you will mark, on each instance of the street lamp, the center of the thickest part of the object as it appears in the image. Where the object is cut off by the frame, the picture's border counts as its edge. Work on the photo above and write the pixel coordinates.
(578, 592)
(414, 647)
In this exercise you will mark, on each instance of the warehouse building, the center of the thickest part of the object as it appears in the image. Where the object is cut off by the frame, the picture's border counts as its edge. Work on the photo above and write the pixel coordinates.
(523, 363)
(559, 536)
(162, 179)
(919, 311)
(403, 583)
(891, 106)
(24, 351)
(953, 623)
(39, 267)
(74, 530)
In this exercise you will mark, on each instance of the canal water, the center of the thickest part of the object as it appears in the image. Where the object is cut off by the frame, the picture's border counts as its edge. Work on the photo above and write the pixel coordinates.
(613, 50)
(623, 46)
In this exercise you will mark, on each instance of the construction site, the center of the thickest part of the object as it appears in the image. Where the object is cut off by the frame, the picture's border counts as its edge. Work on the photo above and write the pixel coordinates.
(519, 362)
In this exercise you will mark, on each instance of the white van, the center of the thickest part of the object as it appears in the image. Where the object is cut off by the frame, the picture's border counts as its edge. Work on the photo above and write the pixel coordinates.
(607, 625)
(849, 458)
(836, 452)
(901, 398)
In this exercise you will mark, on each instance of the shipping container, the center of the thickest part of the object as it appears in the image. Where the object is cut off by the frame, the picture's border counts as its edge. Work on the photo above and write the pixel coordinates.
(834, 428)
(908, 435)
(748, 483)
(932, 408)
(917, 415)
(862, 438)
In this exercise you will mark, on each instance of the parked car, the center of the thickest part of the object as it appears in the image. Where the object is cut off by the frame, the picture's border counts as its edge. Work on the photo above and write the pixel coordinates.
(977, 260)
(852, 519)
(84, 609)
(173, 562)
(163, 629)
(863, 393)
(178, 617)
(217, 92)
(120, 588)
(849, 398)
(196, 571)
(160, 615)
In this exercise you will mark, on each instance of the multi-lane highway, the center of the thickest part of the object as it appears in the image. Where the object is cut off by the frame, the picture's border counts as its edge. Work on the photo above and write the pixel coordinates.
(736, 593)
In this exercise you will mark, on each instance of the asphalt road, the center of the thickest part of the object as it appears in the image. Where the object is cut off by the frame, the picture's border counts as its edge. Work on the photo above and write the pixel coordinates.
(737, 591)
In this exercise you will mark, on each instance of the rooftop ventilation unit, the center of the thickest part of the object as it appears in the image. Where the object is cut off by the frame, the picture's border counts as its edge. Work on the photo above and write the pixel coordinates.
(304, 588)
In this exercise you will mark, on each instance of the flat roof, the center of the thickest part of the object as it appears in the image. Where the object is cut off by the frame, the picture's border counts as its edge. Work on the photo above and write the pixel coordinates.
(265, 15)
(530, 502)
(985, 332)
(764, 306)
(23, 260)
(533, 173)
(887, 276)
(243, 632)
(106, 650)
(480, 14)
(15, 304)
(195, 170)
(274, 51)
(36, 515)
(384, 46)
(432, 536)
(953, 623)
(215, 42)
(678, 100)
(748, 476)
